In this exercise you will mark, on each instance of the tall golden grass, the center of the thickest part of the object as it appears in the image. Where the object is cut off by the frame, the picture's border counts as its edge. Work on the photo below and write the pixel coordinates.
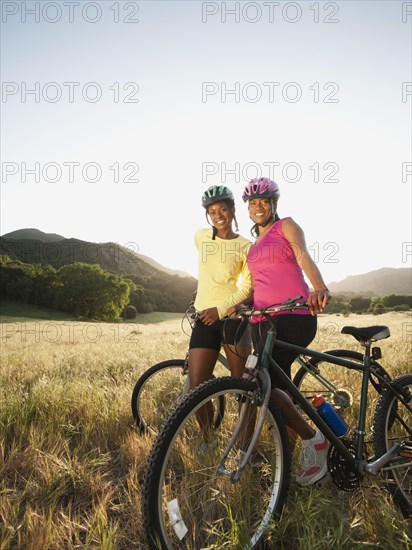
(71, 459)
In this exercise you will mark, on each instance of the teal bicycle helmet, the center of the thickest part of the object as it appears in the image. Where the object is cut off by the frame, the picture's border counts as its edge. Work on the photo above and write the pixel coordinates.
(216, 193)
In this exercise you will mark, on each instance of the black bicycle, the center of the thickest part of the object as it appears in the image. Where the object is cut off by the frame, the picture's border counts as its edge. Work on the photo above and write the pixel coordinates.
(207, 487)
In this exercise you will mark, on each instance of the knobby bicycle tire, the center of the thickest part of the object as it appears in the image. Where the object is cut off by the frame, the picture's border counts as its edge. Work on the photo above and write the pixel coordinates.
(157, 391)
(186, 503)
(393, 423)
(147, 416)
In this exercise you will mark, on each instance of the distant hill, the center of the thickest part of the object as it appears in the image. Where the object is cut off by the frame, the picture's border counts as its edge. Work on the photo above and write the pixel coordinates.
(33, 234)
(37, 235)
(155, 264)
(387, 280)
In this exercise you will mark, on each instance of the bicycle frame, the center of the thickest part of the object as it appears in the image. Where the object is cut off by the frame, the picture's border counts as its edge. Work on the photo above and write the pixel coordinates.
(357, 463)
(301, 361)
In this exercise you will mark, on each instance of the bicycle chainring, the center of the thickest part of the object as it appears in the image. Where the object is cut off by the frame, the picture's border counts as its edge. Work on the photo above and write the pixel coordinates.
(342, 475)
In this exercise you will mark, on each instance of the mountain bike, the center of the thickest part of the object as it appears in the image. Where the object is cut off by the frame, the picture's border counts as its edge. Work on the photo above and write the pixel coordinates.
(206, 488)
(161, 386)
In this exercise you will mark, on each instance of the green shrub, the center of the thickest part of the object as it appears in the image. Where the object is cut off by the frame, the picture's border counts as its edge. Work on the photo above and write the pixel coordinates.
(129, 312)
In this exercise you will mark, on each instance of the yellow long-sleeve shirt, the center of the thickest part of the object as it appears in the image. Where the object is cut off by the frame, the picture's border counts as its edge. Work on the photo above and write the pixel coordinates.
(222, 263)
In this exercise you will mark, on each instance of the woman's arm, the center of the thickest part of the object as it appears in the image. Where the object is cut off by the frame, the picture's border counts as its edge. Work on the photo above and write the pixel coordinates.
(295, 236)
(244, 293)
(245, 303)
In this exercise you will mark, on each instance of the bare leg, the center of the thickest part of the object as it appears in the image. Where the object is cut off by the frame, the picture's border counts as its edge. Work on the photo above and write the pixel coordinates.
(237, 356)
(201, 364)
(296, 424)
(293, 419)
(293, 436)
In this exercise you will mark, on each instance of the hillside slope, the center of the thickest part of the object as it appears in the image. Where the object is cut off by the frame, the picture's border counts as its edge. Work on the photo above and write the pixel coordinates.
(386, 280)
(89, 249)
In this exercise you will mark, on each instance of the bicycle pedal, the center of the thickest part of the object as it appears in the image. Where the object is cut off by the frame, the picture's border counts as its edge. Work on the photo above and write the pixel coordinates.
(406, 450)
(323, 481)
(406, 453)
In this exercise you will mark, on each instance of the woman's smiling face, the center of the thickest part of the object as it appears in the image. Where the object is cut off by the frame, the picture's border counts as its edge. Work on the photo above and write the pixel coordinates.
(220, 215)
(260, 210)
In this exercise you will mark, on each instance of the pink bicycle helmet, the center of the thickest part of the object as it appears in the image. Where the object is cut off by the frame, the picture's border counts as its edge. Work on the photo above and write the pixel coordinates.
(260, 188)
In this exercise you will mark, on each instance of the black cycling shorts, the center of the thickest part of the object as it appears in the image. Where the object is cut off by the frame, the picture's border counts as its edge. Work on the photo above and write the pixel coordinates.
(226, 331)
(294, 329)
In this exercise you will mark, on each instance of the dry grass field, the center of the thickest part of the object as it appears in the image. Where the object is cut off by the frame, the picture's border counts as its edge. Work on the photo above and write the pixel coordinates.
(71, 459)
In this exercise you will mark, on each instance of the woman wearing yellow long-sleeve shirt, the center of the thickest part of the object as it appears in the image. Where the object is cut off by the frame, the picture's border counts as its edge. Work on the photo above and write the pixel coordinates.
(223, 281)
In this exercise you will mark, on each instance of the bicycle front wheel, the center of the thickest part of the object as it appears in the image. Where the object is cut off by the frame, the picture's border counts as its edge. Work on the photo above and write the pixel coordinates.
(393, 424)
(188, 501)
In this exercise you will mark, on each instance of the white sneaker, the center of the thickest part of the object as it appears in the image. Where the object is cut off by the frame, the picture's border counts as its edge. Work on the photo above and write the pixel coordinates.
(313, 459)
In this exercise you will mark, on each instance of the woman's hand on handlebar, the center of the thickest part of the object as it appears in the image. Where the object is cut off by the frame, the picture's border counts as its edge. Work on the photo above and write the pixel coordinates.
(317, 300)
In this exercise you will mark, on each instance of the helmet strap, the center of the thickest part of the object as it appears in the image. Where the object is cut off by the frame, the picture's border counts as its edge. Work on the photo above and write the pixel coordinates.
(236, 224)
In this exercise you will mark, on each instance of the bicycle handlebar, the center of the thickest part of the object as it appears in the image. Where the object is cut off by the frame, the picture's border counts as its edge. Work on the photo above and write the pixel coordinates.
(289, 305)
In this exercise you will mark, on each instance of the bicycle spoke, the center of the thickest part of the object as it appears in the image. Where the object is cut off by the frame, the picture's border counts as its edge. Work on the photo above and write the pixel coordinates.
(393, 424)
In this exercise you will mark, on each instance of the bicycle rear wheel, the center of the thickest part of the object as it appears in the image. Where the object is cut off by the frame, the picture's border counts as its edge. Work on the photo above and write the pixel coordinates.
(393, 424)
(156, 393)
(158, 390)
(187, 503)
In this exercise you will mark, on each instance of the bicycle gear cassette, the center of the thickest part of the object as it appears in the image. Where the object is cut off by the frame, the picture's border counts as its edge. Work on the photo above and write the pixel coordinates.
(342, 475)
(342, 398)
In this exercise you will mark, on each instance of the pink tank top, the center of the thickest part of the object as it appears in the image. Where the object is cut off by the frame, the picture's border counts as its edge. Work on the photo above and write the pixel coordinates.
(276, 273)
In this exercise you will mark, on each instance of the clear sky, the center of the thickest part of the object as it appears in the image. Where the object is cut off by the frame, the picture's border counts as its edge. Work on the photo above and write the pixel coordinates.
(116, 116)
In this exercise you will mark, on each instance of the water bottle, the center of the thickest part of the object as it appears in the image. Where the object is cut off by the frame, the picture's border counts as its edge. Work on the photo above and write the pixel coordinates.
(330, 416)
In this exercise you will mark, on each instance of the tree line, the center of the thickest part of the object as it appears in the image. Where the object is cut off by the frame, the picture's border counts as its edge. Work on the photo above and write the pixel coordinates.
(352, 303)
(89, 291)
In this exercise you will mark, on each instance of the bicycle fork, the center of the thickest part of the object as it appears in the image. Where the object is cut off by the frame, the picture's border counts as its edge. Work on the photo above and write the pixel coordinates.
(235, 474)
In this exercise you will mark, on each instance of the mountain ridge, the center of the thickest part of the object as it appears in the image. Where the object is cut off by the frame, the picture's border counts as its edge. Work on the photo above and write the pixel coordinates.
(33, 234)
(382, 281)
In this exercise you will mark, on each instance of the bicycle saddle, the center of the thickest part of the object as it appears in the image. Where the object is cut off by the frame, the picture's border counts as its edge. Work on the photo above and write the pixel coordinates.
(378, 332)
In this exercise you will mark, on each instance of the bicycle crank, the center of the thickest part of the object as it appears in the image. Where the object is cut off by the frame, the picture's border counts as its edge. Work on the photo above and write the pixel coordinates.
(342, 474)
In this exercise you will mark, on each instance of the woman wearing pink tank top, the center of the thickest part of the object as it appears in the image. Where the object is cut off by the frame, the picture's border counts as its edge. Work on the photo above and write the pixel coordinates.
(277, 262)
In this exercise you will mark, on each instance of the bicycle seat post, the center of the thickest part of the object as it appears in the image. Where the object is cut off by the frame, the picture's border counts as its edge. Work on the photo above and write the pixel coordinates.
(360, 429)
